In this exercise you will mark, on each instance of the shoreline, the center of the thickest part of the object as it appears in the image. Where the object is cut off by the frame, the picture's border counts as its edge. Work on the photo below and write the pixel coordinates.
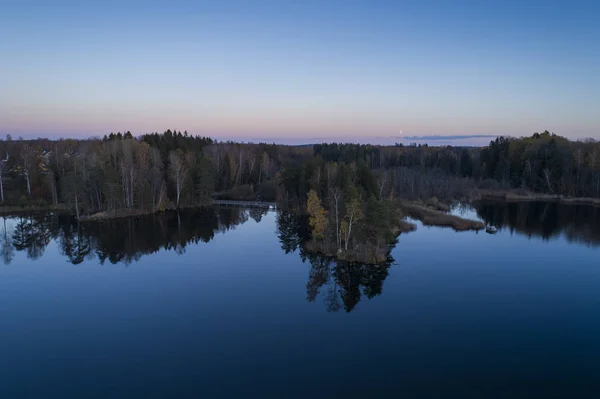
(10, 209)
(115, 214)
(432, 217)
(512, 196)
(123, 213)
(430, 212)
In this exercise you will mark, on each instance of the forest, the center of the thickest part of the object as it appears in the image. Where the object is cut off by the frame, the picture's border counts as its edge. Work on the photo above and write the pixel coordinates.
(347, 191)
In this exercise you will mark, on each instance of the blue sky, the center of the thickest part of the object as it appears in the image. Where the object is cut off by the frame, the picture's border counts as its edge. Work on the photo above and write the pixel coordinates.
(296, 70)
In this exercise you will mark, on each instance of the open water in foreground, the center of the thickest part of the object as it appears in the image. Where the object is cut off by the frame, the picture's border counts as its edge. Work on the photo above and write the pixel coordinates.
(225, 303)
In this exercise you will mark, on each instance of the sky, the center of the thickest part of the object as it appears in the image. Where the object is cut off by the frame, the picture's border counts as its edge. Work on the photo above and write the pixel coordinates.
(300, 71)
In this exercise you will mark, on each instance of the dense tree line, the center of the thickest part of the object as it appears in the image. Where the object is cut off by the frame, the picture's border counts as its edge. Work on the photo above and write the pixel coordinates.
(175, 169)
(545, 163)
(153, 172)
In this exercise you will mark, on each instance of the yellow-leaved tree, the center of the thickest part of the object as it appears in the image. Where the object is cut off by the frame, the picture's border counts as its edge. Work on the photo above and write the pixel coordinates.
(318, 216)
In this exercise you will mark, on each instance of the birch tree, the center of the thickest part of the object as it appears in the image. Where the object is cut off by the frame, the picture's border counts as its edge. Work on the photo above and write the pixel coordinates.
(157, 182)
(177, 172)
(29, 158)
(353, 214)
(336, 195)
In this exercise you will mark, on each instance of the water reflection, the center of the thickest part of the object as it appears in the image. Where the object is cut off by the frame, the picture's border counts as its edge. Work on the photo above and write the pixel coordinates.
(115, 241)
(578, 223)
(345, 283)
(341, 284)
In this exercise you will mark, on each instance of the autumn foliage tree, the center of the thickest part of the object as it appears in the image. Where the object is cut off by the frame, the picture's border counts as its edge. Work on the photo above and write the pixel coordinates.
(318, 216)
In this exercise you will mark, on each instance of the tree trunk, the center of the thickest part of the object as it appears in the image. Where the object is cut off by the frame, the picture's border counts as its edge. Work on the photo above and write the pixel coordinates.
(337, 223)
(239, 175)
(547, 175)
(131, 187)
(76, 205)
(350, 222)
(28, 183)
(54, 193)
(99, 198)
(124, 185)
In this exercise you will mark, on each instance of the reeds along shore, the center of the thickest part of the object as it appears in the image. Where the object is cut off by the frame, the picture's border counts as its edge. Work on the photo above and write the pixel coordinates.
(433, 217)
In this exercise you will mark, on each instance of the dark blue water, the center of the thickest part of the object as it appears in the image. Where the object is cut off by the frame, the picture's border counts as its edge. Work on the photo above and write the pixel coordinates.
(211, 305)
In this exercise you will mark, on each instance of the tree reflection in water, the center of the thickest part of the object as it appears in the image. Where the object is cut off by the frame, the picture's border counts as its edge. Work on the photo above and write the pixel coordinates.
(7, 248)
(345, 283)
(339, 284)
(123, 240)
(578, 223)
(342, 284)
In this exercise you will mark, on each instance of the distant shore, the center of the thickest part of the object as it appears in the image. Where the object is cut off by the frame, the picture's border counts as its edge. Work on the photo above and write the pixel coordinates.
(515, 196)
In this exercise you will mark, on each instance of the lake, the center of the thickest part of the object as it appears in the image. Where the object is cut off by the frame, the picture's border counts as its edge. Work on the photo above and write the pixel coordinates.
(225, 303)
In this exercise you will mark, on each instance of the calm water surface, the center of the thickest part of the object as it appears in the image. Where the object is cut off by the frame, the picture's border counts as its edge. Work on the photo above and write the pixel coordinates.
(224, 303)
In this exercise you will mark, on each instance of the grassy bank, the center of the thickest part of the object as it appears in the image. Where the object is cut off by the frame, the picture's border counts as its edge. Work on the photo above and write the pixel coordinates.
(519, 196)
(404, 227)
(106, 215)
(115, 214)
(128, 212)
(433, 217)
(433, 202)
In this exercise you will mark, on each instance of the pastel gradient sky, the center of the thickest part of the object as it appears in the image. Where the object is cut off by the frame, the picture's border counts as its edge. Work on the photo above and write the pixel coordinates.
(300, 70)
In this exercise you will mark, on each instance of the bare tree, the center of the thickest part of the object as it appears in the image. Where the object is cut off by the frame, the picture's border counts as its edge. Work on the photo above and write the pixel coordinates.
(50, 179)
(336, 195)
(142, 167)
(128, 175)
(177, 172)
(593, 167)
(547, 175)
(3, 170)
(353, 214)
(382, 182)
(578, 155)
(157, 183)
(240, 166)
(29, 158)
(251, 166)
(73, 185)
